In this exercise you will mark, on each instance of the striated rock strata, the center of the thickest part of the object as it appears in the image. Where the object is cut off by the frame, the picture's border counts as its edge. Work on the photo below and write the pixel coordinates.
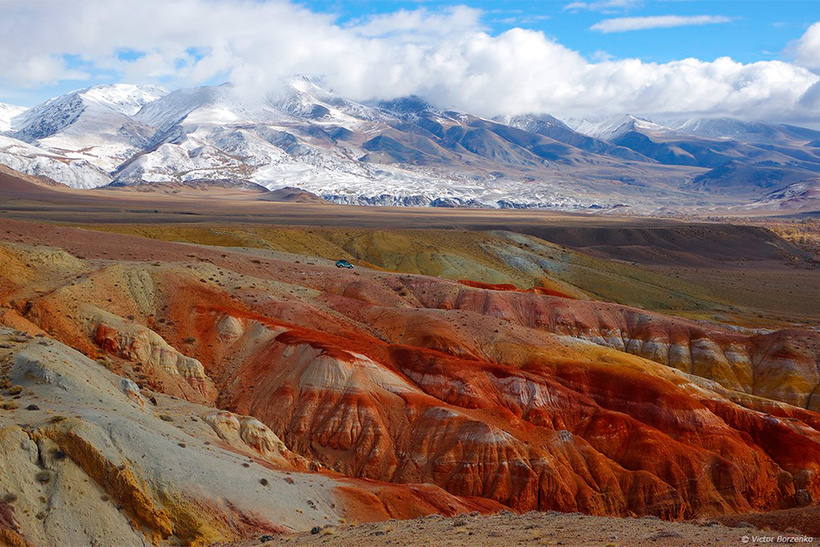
(490, 397)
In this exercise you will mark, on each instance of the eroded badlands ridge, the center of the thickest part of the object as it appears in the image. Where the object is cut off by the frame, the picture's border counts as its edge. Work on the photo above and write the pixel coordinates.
(91, 459)
(491, 397)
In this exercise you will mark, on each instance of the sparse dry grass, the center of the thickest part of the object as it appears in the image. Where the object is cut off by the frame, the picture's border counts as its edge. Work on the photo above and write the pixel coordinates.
(456, 254)
(710, 293)
(804, 233)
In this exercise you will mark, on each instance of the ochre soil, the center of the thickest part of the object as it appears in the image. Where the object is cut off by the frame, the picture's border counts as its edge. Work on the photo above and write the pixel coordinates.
(427, 380)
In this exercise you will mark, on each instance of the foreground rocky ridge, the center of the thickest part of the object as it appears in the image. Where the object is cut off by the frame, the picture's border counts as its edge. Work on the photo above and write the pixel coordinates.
(88, 457)
(498, 397)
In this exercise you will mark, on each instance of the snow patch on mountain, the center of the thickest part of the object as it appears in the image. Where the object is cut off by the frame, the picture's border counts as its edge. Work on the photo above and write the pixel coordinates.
(748, 131)
(609, 128)
(93, 125)
(304, 98)
(408, 189)
(117, 101)
(7, 112)
(532, 123)
(123, 98)
(212, 105)
(28, 159)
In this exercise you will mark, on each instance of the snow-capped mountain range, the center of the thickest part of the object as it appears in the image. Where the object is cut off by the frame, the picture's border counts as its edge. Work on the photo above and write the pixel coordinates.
(405, 151)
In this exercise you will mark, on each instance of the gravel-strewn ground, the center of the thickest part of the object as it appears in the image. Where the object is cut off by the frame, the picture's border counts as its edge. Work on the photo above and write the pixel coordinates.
(505, 530)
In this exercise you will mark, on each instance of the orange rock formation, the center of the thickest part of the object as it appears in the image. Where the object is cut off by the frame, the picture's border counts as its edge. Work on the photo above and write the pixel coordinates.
(498, 397)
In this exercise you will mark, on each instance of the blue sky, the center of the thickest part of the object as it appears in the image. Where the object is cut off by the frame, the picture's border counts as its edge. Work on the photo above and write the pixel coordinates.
(571, 57)
(758, 30)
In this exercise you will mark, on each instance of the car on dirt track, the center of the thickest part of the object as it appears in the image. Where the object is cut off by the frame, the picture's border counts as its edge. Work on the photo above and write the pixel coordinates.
(343, 264)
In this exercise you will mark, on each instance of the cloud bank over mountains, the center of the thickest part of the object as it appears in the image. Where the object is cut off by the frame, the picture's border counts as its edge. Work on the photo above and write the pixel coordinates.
(447, 56)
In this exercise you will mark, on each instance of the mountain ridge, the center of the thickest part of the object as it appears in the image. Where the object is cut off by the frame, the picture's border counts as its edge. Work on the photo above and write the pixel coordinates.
(9, 112)
(404, 151)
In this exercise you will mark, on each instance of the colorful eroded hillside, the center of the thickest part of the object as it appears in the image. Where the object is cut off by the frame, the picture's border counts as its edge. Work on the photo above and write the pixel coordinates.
(217, 392)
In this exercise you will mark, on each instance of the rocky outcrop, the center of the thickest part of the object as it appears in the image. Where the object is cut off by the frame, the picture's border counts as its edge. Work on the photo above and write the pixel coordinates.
(156, 474)
(132, 390)
(782, 365)
(138, 344)
(248, 433)
(593, 437)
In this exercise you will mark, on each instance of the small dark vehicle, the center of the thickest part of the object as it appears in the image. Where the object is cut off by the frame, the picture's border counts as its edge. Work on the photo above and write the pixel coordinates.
(343, 264)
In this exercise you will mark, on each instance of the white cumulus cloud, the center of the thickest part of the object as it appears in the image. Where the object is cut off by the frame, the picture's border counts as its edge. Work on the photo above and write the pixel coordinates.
(807, 49)
(446, 56)
(602, 5)
(625, 24)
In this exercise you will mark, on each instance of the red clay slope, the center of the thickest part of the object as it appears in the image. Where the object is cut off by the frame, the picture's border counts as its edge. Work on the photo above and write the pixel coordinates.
(532, 401)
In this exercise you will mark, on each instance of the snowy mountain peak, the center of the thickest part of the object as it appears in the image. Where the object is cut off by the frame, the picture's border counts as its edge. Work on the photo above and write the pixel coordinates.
(614, 126)
(206, 105)
(118, 100)
(724, 128)
(305, 97)
(532, 122)
(306, 84)
(125, 99)
(410, 107)
(7, 112)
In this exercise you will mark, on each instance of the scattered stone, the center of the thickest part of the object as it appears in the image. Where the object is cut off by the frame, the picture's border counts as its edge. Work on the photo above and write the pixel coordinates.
(15, 390)
(802, 497)
(132, 390)
(43, 476)
(166, 418)
(664, 534)
(315, 530)
(32, 407)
